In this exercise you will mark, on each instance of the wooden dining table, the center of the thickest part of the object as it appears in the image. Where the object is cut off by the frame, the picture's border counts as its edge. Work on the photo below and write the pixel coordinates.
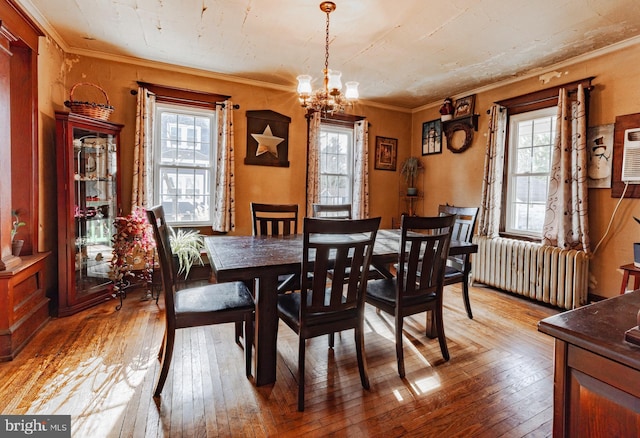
(264, 258)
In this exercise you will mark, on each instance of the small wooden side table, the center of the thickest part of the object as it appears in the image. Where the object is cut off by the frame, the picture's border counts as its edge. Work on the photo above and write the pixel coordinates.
(628, 270)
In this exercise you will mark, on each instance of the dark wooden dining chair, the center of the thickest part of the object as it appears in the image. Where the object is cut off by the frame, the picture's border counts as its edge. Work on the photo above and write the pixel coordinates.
(340, 211)
(274, 219)
(418, 285)
(459, 266)
(332, 211)
(277, 220)
(323, 307)
(196, 306)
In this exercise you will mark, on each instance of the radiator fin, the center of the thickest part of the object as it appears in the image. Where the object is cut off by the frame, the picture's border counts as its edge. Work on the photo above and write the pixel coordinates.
(544, 273)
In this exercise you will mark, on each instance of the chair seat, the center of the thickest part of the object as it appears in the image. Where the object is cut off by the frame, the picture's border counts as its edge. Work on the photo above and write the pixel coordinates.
(204, 302)
(451, 273)
(289, 310)
(385, 291)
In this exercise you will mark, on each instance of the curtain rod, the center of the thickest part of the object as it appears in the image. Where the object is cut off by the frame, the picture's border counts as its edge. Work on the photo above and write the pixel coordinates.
(222, 104)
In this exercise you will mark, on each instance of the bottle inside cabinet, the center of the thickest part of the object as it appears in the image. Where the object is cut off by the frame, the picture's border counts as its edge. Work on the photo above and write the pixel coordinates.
(88, 203)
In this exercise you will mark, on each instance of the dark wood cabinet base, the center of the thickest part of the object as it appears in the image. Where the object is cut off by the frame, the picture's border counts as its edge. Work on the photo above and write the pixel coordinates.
(24, 307)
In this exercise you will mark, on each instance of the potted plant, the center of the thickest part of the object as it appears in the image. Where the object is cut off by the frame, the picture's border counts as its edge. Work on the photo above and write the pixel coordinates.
(409, 170)
(16, 244)
(186, 246)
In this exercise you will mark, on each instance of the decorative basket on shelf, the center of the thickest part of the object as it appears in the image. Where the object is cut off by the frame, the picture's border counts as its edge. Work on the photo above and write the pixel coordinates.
(100, 111)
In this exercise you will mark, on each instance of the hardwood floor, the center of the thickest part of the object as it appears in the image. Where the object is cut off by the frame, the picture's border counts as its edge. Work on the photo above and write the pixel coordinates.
(100, 365)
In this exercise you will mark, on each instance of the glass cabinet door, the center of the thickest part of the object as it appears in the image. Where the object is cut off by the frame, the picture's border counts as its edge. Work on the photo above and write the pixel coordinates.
(94, 156)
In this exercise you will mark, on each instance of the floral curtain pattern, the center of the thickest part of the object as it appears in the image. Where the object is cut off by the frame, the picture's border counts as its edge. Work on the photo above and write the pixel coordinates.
(224, 212)
(313, 163)
(360, 202)
(494, 167)
(566, 223)
(141, 189)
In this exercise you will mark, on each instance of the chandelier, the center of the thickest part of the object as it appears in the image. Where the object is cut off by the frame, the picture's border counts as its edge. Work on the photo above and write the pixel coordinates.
(328, 99)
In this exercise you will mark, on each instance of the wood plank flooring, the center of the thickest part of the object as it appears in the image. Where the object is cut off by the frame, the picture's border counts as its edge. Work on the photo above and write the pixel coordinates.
(100, 365)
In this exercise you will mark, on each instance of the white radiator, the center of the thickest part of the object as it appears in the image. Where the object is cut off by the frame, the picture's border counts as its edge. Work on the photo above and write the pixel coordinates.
(544, 273)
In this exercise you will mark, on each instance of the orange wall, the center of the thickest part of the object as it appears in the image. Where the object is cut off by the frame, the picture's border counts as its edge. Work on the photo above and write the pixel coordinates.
(253, 183)
(457, 178)
(447, 177)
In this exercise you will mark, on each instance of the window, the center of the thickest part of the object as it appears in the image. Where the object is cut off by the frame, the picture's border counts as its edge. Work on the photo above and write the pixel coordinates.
(531, 137)
(336, 164)
(184, 160)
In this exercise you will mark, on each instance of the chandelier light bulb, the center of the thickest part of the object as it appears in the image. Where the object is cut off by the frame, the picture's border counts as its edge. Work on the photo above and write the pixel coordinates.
(351, 92)
(304, 85)
(334, 80)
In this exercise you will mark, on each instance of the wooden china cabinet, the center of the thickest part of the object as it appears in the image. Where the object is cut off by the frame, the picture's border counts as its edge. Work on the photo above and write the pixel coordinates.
(88, 202)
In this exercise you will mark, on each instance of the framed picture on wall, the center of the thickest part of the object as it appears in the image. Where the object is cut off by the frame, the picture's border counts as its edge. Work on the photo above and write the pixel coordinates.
(600, 156)
(267, 138)
(386, 153)
(464, 106)
(432, 137)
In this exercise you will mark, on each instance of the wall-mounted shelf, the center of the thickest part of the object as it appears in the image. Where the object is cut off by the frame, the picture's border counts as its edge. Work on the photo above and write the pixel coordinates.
(457, 143)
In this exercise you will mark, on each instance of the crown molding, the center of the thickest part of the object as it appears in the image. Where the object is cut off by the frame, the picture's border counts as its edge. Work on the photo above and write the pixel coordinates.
(538, 71)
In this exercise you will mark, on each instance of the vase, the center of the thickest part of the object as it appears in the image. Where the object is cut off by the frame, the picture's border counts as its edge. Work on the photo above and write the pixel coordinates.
(16, 247)
(636, 254)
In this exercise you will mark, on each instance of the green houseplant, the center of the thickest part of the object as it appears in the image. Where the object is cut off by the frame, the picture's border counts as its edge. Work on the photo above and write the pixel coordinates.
(186, 246)
(410, 169)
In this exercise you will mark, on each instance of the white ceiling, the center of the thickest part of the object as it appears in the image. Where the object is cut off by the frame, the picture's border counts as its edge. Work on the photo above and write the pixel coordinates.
(404, 53)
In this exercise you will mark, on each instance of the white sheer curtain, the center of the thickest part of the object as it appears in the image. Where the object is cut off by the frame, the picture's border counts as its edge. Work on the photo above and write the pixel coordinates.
(142, 185)
(313, 163)
(494, 167)
(360, 204)
(566, 223)
(224, 212)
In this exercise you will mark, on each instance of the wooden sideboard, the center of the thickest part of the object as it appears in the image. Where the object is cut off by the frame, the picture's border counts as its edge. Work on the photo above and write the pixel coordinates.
(597, 373)
(24, 307)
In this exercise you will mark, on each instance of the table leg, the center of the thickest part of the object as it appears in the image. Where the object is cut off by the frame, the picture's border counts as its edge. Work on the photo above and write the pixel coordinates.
(266, 329)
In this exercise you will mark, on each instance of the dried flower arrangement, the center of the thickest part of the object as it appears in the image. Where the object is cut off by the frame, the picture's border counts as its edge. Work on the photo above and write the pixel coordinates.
(133, 244)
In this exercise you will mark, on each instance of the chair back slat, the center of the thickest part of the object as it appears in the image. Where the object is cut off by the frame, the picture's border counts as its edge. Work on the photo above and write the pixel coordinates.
(335, 245)
(274, 219)
(426, 245)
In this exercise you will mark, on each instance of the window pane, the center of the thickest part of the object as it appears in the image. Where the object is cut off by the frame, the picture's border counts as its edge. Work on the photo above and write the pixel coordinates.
(524, 161)
(521, 189)
(538, 189)
(541, 159)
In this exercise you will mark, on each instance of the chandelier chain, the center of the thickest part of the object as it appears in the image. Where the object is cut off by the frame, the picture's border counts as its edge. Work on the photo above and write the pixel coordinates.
(326, 44)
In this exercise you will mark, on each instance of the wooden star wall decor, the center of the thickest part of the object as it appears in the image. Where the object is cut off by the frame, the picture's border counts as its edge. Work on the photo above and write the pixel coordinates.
(267, 138)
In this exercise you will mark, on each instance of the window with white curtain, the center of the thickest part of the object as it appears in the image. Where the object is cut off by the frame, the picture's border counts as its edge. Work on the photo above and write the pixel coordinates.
(336, 164)
(184, 163)
(531, 138)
